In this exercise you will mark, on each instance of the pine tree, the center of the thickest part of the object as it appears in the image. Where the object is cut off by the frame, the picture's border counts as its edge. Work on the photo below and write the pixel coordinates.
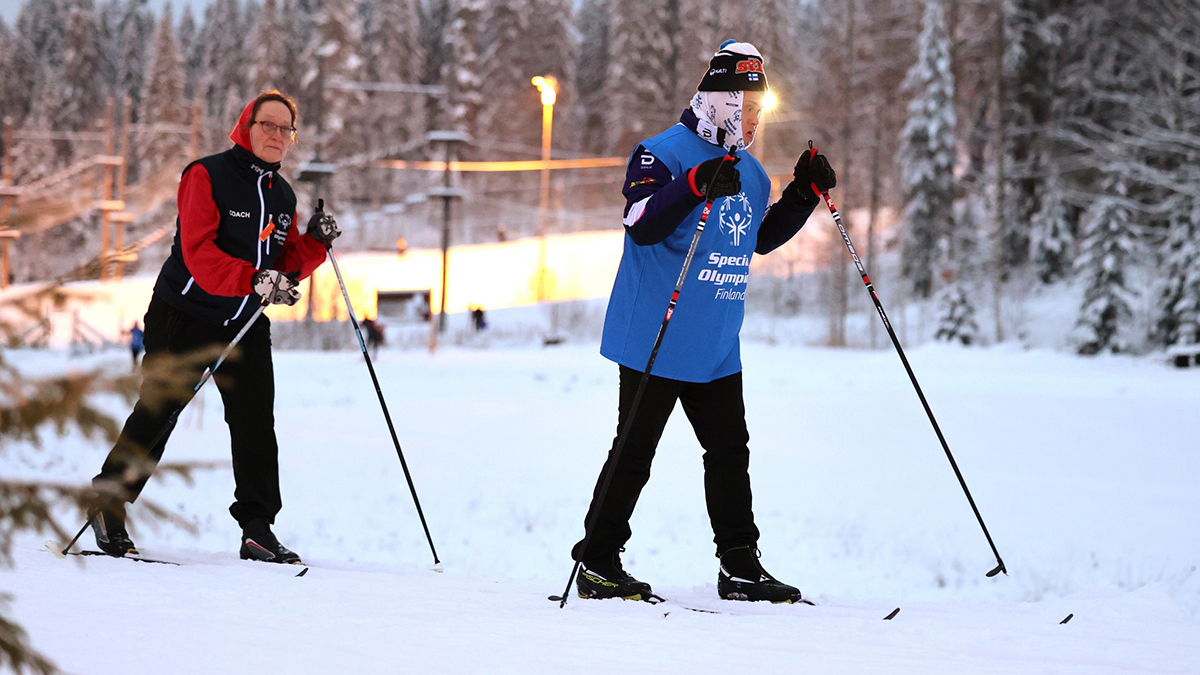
(1177, 299)
(164, 103)
(513, 113)
(591, 74)
(772, 28)
(298, 29)
(928, 151)
(1107, 245)
(82, 95)
(638, 95)
(25, 66)
(957, 320)
(694, 39)
(553, 46)
(333, 50)
(1052, 240)
(191, 53)
(222, 84)
(35, 158)
(460, 70)
(393, 52)
(267, 59)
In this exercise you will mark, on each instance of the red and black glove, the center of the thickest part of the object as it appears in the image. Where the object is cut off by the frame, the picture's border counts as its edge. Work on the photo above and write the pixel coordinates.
(712, 179)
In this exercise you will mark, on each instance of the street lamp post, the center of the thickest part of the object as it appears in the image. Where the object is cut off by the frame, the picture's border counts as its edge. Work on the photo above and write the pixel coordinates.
(548, 86)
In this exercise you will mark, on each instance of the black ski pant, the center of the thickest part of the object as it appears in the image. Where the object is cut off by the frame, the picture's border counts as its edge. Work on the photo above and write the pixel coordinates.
(717, 413)
(178, 349)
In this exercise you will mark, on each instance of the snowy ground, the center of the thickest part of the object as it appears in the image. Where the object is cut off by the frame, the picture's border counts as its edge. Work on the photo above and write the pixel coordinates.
(1085, 471)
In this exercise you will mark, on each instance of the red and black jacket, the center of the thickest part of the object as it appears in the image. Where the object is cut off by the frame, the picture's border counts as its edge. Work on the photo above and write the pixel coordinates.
(237, 216)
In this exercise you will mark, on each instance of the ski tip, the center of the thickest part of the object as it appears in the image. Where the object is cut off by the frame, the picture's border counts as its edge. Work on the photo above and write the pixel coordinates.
(892, 614)
(55, 548)
(1069, 617)
(302, 572)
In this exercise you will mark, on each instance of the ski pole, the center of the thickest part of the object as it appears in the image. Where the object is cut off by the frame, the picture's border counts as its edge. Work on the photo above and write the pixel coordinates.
(623, 436)
(379, 392)
(170, 424)
(837, 218)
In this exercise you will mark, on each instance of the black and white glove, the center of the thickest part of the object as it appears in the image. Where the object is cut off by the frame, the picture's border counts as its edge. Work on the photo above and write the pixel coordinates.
(711, 184)
(322, 226)
(276, 288)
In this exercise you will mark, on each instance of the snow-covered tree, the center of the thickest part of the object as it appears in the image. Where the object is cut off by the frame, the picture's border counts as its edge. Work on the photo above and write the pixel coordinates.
(513, 113)
(1177, 298)
(928, 151)
(460, 70)
(332, 53)
(136, 30)
(591, 74)
(553, 45)
(694, 39)
(191, 52)
(957, 322)
(638, 94)
(222, 86)
(393, 52)
(297, 30)
(1107, 244)
(163, 103)
(82, 94)
(1053, 242)
(267, 58)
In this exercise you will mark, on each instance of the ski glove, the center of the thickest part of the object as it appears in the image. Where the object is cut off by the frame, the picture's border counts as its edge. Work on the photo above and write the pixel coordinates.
(323, 227)
(276, 288)
(814, 169)
(706, 180)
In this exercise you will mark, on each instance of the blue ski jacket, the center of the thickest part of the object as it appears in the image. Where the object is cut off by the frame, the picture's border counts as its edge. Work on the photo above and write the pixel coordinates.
(662, 210)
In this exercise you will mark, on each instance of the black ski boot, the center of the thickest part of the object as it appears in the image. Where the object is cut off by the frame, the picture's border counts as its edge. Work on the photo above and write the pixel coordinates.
(743, 578)
(109, 527)
(259, 543)
(604, 577)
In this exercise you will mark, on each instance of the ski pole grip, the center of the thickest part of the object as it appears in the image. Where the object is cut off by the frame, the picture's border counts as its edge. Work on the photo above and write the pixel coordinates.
(320, 204)
(812, 152)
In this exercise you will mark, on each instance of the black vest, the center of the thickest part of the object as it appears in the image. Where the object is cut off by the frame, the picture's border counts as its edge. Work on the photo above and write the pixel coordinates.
(256, 207)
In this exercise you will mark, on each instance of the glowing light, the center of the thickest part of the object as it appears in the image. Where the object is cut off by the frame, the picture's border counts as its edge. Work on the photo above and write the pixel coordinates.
(769, 101)
(548, 85)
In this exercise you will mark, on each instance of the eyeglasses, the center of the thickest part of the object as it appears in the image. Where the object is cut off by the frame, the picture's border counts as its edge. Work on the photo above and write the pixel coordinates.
(270, 128)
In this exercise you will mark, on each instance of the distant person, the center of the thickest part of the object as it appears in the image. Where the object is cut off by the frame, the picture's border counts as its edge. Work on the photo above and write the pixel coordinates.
(374, 336)
(478, 319)
(236, 244)
(136, 344)
(698, 365)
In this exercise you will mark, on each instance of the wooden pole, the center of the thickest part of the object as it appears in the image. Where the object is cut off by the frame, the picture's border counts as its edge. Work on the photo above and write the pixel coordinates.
(106, 193)
(6, 200)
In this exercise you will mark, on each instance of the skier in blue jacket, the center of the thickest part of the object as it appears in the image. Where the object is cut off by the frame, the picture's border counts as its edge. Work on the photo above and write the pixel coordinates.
(699, 363)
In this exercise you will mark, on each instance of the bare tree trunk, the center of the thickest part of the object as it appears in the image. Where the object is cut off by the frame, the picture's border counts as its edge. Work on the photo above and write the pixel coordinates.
(837, 263)
(998, 253)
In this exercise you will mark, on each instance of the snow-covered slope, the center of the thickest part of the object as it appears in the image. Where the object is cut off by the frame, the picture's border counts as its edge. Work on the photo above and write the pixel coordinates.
(1084, 471)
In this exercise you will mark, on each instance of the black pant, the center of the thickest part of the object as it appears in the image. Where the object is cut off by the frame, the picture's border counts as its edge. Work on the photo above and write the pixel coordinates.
(178, 349)
(718, 416)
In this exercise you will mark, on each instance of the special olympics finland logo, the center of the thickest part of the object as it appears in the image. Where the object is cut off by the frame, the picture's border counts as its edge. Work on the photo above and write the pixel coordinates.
(734, 217)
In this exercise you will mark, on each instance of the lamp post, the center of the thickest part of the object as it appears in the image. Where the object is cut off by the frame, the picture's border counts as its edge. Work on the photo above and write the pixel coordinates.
(548, 86)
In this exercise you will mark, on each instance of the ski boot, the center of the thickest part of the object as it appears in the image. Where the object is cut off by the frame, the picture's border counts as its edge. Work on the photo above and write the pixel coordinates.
(742, 577)
(604, 577)
(259, 543)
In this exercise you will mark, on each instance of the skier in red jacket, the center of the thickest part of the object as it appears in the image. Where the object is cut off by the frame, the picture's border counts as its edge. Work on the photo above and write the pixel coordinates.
(236, 246)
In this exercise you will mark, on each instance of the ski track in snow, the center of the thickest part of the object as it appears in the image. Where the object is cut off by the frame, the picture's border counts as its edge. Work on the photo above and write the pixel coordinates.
(1083, 469)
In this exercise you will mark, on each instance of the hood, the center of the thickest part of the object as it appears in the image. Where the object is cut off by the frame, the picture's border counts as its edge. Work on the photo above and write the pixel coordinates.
(241, 132)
